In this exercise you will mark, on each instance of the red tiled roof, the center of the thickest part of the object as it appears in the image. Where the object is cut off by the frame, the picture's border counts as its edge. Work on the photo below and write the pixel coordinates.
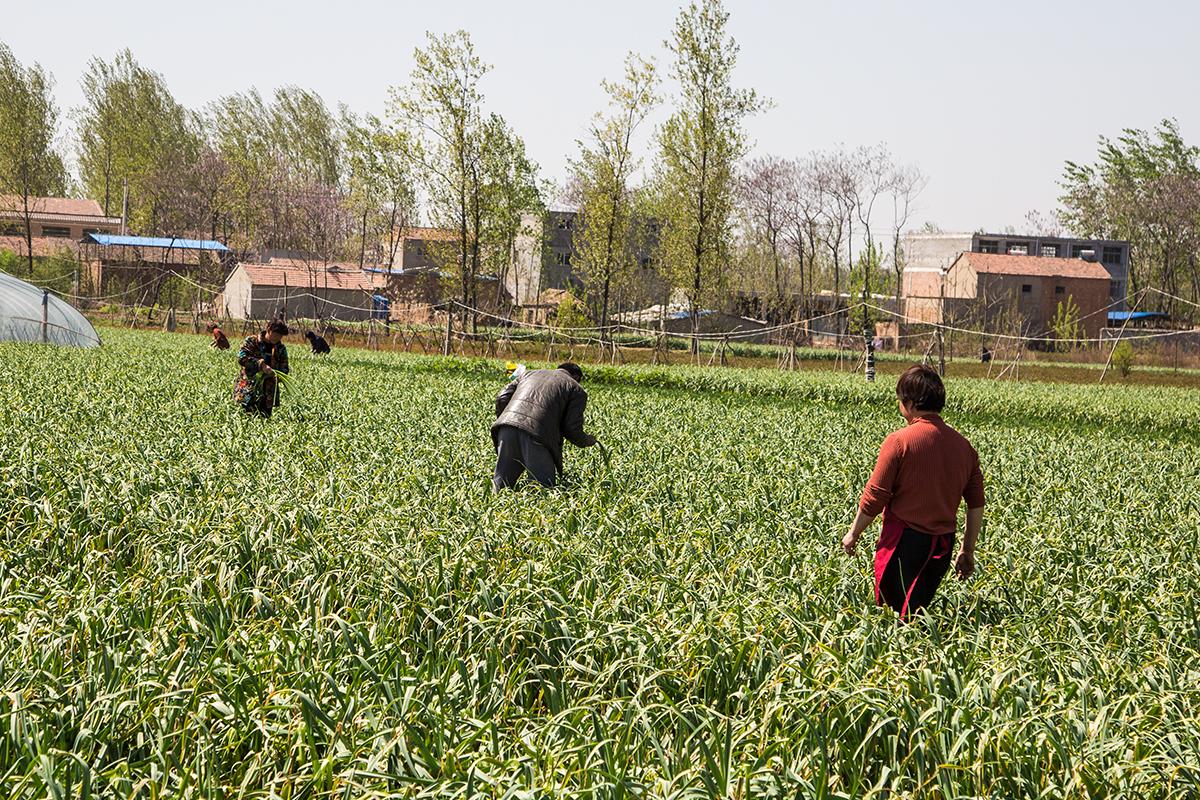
(42, 245)
(303, 277)
(66, 206)
(1042, 266)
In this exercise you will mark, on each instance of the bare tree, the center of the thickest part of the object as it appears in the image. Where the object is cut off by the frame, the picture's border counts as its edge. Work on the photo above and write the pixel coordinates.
(765, 188)
(1038, 223)
(836, 179)
(906, 185)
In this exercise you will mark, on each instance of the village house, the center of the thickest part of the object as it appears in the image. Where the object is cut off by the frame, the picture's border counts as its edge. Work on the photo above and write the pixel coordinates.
(56, 224)
(988, 286)
(937, 250)
(293, 289)
(55, 218)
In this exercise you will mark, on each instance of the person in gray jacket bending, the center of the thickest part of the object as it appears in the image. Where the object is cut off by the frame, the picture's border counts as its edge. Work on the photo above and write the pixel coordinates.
(534, 413)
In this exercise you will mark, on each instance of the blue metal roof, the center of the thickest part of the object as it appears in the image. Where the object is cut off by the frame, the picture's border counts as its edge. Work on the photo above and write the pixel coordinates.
(108, 239)
(1133, 316)
(704, 312)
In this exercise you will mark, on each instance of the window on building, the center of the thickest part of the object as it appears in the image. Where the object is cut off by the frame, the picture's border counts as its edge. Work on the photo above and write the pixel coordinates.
(1049, 251)
(1112, 255)
(562, 258)
(56, 232)
(11, 229)
(1018, 248)
(644, 262)
(1060, 290)
(1077, 250)
(989, 246)
(564, 223)
(1026, 288)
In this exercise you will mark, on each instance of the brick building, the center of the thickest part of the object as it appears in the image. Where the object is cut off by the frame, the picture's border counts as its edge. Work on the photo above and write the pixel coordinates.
(546, 258)
(938, 250)
(295, 290)
(427, 248)
(55, 218)
(984, 286)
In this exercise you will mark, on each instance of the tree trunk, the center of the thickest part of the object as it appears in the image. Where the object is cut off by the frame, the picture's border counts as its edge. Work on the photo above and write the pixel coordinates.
(362, 251)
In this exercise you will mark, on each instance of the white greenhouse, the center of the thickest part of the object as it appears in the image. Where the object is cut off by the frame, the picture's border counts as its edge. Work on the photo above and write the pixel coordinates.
(23, 318)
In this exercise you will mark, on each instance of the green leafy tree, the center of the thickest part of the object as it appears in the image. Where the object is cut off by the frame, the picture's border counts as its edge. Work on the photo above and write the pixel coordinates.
(603, 173)
(699, 147)
(442, 110)
(132, 132)
(284, 160)
(571, 313)
(475, 175)
(1067, 327)
(1123, 358)
(510, 191)
(382, 188)
(1143, 187)
(29, 165)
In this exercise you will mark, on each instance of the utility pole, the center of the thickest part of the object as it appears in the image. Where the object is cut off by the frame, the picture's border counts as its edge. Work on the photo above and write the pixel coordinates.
(941, 333)
(866, 320)
(125, 207)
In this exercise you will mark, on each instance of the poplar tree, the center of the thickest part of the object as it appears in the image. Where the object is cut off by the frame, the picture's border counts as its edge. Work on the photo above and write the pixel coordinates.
(29, 165)
(699, 147)
(603, 173)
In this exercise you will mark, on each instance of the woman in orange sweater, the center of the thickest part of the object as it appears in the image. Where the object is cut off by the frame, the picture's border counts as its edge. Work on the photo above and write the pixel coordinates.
(922, 473)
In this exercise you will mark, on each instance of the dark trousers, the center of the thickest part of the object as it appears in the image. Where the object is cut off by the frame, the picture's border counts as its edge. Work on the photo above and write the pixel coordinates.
(517, 452)
(915, 571)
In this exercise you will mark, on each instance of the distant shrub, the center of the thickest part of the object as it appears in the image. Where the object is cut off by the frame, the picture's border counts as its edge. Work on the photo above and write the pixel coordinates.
(1122, 359)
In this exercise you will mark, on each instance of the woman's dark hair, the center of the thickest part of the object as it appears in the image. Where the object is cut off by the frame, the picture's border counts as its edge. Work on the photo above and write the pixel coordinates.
(921, 389)
(573, 370)
(278, 326)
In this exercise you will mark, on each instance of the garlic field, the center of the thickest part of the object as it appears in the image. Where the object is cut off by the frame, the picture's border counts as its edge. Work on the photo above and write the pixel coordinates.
(333, 603)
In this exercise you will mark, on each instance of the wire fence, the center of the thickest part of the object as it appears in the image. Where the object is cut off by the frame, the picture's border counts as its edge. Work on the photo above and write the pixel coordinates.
(454, 328)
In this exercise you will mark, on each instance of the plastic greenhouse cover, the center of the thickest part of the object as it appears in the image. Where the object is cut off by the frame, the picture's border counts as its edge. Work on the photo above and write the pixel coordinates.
(21, 316)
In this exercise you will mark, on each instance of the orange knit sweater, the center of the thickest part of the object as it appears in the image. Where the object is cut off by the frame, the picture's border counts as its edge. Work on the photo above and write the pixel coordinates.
(922, 472)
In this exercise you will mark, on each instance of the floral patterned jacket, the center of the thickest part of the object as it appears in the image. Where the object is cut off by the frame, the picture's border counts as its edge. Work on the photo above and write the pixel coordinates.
(253, 390)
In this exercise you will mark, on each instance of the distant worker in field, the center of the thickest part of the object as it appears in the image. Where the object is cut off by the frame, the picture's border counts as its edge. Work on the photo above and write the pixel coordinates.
(922, 473)
(319, 346)
(985, 356)
(534, 413)
(261, 357)
(219, 339)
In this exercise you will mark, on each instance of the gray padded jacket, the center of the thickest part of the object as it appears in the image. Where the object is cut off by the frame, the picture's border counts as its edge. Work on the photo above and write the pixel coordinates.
(547, 404)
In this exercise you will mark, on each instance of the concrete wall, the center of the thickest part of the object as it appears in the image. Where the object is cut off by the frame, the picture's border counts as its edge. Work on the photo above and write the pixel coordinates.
(933, 250)
(237, 295)
(546, 257)
(523, 280)
(244, 300)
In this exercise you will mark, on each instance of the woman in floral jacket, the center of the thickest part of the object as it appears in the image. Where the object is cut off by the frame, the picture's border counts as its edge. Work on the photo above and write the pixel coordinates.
(257, 390)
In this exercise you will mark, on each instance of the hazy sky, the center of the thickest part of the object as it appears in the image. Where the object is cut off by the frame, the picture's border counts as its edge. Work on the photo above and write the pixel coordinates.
(989, 99)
